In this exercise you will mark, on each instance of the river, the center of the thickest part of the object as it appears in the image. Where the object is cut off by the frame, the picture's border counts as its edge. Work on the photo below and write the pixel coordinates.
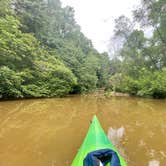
(48, 132)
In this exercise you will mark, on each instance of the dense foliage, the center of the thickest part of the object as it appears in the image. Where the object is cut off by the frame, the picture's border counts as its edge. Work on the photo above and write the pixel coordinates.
(139, 63)
(43, 53)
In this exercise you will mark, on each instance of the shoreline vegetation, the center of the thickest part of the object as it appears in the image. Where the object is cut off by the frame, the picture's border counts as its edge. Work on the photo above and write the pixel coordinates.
(44, 54)
(139, 63)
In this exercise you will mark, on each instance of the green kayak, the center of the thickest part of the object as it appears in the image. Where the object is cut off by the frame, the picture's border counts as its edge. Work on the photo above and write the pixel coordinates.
(95, 139)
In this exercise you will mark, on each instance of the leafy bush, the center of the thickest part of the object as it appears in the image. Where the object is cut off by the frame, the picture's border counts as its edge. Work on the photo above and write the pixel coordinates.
(10, 83)
(149, 83)
(27, 69)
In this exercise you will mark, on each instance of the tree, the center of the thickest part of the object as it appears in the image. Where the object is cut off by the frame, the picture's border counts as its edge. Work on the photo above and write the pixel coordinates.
(4, 8)
(27, 70)
(153, 13)
(123, 28)
(42, 46)
(142, 60)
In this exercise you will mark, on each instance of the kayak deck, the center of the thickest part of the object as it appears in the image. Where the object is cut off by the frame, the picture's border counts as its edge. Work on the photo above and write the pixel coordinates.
(95, 139)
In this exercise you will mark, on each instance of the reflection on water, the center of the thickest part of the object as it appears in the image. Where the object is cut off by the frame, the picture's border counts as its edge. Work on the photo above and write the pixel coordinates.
(154, 163)
(48, 132)
(116, 135)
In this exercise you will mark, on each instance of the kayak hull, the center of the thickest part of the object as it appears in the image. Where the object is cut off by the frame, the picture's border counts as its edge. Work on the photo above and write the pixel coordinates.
(95, 139)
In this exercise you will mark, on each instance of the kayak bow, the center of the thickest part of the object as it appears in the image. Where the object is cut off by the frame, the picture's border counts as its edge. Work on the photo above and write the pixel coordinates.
(95, 139)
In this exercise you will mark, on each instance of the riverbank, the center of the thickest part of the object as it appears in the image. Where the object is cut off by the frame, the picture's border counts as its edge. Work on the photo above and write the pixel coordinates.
(99, 93)
(117, 94)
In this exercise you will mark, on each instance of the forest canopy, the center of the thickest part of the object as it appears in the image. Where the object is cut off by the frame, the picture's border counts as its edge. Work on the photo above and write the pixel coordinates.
(43, 52)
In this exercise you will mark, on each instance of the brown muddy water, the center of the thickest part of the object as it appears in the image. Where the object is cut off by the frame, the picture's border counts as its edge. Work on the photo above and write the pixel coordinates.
(48, 132)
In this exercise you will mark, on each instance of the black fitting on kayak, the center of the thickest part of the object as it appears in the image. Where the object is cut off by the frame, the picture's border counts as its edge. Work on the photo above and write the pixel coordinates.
(103, 156)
